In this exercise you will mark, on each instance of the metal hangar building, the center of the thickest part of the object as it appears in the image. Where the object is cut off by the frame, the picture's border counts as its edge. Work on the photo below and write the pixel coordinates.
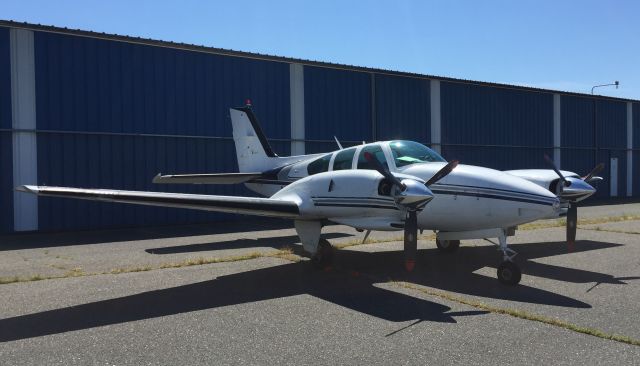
(88, 109)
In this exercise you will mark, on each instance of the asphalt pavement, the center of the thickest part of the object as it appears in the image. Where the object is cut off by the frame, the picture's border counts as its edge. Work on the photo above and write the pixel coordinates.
(117, 302)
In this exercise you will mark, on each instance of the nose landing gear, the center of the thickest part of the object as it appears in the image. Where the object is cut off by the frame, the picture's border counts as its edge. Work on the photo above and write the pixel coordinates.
(508, 272)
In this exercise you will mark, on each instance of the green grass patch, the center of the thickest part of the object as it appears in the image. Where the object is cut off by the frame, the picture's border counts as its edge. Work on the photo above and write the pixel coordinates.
(285, 253)
(355, 242)
(522, 314)
(586, 221)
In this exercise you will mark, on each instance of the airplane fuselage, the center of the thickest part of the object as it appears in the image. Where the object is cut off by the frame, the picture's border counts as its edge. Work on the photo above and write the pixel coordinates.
(469, 198)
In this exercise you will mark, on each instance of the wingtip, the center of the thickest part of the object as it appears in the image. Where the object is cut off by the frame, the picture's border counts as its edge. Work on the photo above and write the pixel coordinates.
(157, 178)
(27, 189)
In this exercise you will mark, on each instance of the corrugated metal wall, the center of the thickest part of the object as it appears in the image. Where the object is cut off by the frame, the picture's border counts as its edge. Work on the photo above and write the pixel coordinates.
(114, 114)
(495, 127)
(6, 149)
(92, 88)
(589, 122)
(337, 103)
(611, 140)
(636, 149)
(402, 108)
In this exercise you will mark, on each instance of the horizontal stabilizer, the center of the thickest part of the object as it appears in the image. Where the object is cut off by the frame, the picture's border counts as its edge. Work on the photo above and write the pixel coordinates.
(215, 178)
(232, 204)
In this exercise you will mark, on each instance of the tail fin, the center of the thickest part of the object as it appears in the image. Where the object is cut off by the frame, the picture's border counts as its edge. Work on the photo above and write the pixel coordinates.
(252, 148)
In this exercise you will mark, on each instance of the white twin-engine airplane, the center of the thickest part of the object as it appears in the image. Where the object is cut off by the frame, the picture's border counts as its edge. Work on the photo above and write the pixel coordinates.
(388, 185)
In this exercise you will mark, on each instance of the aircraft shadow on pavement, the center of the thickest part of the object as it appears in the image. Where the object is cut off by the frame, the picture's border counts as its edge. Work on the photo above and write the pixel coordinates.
(351, 284)
(55, 239)
(275, 242)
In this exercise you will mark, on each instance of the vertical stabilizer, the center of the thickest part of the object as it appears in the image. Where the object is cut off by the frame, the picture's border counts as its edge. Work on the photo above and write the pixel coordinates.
(252, 148)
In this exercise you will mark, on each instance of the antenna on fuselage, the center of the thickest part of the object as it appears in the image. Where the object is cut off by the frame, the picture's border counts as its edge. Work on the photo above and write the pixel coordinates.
(338, 142)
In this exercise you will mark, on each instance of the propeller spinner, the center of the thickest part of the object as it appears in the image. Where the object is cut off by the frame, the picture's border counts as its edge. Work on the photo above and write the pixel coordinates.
(574, 190)
(412, 195)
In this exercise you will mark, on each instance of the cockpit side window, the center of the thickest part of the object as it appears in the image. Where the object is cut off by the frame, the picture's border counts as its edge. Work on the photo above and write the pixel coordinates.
(344, 159)
(319, 165)
(376, 151)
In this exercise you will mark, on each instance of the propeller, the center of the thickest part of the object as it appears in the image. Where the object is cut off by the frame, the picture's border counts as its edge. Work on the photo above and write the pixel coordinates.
(442, 172)
(377, 165)
(413, 195)
(591, 176)
(555, 169)
(572, 191)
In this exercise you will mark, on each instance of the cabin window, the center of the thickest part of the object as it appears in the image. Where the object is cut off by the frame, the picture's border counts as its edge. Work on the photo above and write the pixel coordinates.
(319, 165)
(344, 159)
(376, 150)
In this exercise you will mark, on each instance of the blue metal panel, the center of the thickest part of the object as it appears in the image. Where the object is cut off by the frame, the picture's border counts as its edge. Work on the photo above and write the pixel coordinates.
(636, 125)
(636, 173)
(481, 115)
(577, 115)
(577, 136)
(92, 85)
(473, 114)
(636, 152)
(5, 79)
(497, 157)
(87, 84)
(612, 124)
(6, 146)
(126, 162)
(337, 103)
(402, 108)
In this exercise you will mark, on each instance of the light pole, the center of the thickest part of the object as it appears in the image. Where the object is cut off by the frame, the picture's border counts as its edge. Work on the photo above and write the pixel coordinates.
(616, 83)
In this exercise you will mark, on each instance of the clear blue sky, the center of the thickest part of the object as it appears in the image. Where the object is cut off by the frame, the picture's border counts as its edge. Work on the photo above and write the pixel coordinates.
(565, 45)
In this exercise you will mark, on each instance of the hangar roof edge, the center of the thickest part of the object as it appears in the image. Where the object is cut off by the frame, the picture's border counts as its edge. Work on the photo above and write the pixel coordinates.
(266, 57)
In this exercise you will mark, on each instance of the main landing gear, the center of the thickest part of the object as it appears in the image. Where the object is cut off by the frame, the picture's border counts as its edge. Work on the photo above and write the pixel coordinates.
(324, 255)
(447, 246)
(508, 272)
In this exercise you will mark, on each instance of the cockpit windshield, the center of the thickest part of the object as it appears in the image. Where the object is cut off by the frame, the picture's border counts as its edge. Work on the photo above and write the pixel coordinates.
(410, 152)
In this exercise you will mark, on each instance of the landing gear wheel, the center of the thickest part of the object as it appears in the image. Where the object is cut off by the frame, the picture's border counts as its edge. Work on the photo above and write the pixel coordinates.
(324, 255)
(448, 246)
(509, 273)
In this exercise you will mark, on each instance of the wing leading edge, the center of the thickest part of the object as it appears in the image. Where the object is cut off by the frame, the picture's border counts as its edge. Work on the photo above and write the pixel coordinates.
(232, 204)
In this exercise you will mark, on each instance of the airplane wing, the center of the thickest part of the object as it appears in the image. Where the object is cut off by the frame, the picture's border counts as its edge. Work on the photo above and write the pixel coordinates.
(216, 178)
(232, 204)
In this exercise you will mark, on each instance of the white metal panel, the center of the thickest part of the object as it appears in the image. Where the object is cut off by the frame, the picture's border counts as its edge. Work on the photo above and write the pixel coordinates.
(557, 130)
(436, 116)
(296, 93)
(23, 111)
(614, 177)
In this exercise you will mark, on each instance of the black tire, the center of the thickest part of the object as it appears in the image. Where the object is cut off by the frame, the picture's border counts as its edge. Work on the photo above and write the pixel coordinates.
(448, 246)
(324, 256)
(509, 273)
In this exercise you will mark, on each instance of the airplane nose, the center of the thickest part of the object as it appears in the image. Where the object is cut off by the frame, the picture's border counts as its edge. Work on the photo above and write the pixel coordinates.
(576, 190)
(414, 195)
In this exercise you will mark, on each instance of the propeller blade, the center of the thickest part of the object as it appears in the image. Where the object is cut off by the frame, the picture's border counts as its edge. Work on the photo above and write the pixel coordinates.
(410, 240)
(572, 226)
(382, 170)
(442, 172)
(595, 171)
(555, 169)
